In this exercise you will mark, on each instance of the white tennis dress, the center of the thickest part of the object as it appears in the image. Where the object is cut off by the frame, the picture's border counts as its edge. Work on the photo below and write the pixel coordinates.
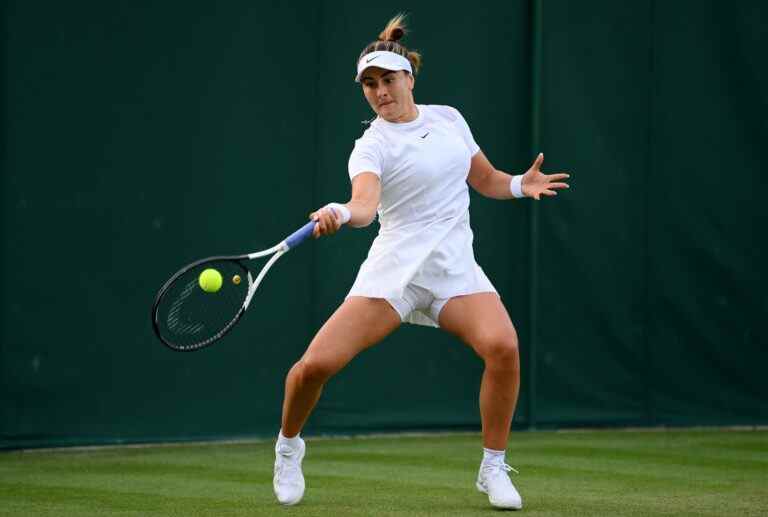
(424, 238)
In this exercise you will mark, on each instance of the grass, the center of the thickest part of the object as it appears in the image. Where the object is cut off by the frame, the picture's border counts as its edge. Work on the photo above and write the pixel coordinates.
(600, 473)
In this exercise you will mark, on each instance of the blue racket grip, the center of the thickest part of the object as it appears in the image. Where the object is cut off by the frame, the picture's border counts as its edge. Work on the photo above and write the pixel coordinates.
(300, 235)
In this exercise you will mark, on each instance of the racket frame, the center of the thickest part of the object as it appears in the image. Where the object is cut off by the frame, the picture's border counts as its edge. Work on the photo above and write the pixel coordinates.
(276, 251)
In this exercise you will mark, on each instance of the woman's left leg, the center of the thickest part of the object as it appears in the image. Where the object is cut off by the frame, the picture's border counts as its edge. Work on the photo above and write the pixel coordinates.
(482, 322)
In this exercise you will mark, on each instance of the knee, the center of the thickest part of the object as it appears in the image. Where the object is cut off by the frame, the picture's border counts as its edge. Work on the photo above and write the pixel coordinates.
(500, 351)
(313, 370)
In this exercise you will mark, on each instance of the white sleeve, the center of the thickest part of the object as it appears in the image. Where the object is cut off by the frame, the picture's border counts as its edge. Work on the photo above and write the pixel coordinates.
(466, 133)
(365, 157)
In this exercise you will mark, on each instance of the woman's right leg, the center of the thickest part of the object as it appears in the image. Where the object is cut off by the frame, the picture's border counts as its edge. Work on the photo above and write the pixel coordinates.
(357, 324)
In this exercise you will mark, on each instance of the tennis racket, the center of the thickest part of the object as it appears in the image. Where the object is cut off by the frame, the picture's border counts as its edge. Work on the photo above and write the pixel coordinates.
(186, 318)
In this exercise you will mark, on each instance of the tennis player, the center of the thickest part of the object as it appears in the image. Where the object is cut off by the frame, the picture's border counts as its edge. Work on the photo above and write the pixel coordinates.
(413, 164)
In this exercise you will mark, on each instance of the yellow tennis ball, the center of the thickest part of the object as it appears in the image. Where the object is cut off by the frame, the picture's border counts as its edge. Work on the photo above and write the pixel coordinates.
(210, 280)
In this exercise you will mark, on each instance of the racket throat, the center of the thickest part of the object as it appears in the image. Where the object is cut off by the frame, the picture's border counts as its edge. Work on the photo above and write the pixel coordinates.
(254, 284)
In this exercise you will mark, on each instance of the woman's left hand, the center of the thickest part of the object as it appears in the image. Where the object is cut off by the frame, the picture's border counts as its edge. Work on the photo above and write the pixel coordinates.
(536, 184)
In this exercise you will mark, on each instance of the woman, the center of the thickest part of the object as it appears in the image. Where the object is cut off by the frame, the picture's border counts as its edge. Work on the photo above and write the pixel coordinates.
(414, 163)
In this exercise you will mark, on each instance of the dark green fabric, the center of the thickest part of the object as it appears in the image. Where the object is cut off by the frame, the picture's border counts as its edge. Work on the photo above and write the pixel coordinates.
(708, 302)
(653, 265)
(140, 137)
(595, 124)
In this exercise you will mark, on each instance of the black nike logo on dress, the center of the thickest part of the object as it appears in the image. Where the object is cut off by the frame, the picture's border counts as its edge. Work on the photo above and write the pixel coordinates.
(374, 57)
(425, 134)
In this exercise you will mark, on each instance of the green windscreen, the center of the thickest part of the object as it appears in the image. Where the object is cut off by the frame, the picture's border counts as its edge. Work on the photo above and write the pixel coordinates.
(140, 137)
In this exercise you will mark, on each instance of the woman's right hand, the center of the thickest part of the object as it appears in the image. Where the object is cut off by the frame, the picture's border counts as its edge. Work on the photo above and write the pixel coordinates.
(328, 222)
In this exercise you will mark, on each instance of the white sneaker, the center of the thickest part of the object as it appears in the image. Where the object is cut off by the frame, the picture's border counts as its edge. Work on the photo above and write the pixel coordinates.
(494, 481)
(289, 481)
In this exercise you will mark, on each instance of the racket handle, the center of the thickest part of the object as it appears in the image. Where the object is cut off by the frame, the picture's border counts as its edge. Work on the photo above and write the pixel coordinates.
(300, 235)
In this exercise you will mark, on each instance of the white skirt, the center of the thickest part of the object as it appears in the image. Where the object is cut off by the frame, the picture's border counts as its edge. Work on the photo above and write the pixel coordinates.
(437, 257)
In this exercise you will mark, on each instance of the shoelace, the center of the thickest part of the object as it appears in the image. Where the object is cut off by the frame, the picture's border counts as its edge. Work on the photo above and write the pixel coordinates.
(287, 462)
(491, 467)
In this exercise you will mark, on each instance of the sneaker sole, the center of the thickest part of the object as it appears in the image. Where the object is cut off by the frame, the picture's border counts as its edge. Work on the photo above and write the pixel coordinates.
(481, 489)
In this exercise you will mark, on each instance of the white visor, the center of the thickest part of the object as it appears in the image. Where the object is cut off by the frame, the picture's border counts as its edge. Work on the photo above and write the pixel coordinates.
(382, 59)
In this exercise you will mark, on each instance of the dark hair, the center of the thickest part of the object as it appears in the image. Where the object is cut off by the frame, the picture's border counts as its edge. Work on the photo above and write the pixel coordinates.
(389, 39)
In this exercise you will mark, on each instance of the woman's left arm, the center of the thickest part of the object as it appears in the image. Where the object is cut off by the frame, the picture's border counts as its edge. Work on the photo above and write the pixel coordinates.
(493, 183)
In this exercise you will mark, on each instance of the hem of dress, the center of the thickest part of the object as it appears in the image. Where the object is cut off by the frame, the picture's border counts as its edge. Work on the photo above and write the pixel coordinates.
(377, 295)
(387, 297)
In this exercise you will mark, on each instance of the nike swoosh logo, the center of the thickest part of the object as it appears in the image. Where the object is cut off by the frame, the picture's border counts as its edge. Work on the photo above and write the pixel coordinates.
(425, 134)
(374, 57)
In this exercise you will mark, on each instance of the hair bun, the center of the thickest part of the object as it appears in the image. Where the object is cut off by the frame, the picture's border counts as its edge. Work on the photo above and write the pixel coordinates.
(389, 40)
(396, 34)
(395, 29)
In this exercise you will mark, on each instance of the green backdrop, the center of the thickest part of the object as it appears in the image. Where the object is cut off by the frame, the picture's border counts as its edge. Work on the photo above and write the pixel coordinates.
(140, 136)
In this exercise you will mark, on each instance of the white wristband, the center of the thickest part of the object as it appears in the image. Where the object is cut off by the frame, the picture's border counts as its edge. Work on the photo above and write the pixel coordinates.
(342, 210)
(516, 186)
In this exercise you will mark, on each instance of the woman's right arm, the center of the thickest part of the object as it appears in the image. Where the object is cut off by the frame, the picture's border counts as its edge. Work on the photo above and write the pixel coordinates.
(366, 193)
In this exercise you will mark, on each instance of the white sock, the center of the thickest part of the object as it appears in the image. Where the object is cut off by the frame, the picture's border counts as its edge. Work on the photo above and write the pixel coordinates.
(491, 456)
(293, 442)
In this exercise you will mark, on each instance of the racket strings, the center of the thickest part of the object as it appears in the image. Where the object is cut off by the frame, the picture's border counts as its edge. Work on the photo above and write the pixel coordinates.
(189, 317)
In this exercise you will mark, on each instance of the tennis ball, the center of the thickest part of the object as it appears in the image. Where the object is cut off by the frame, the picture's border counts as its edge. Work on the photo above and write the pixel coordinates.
(210, 280)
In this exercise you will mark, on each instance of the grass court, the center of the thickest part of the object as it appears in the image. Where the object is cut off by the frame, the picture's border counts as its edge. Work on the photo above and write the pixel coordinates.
(589, 473)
